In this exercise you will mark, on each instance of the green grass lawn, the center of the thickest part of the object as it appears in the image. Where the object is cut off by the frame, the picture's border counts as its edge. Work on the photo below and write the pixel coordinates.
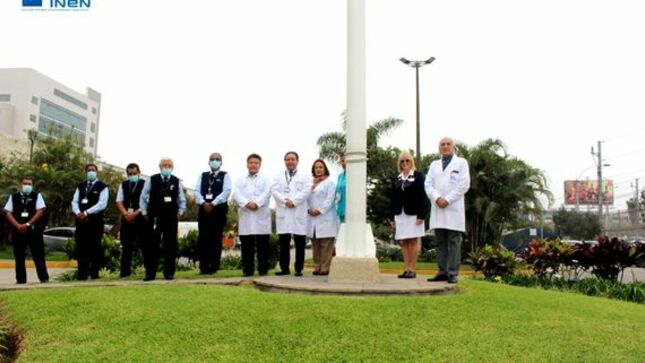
(189, 323)
(6, 253)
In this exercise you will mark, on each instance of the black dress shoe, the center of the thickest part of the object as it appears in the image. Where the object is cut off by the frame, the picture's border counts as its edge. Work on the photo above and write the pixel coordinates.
(452, 280)
(248, 275)
(148, 278)
(403, 275)
(282, 273)
(411, 275)
(315, 273)
(438, 278)
(298, 274)
(169, 277)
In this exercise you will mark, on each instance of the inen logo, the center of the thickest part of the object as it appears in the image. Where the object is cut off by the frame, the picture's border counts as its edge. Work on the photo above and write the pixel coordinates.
(32, 3)
(58, 4)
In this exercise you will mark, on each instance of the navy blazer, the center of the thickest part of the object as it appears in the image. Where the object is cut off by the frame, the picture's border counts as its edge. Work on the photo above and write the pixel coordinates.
(409, 196)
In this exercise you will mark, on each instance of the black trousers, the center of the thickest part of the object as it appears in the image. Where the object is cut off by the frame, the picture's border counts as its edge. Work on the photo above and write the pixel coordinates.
(33, 238)
(88, 247)
(162, 231)
(285, 253)
(249, 245)
(211, 227)
(132, 236)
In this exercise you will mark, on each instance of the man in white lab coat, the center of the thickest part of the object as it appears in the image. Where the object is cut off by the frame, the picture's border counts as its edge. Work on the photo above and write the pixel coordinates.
(252, 194)
(447, 182)
(291, 189)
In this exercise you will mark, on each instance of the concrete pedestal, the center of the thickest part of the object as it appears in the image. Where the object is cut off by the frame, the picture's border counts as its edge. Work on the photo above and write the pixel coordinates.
(355, 270)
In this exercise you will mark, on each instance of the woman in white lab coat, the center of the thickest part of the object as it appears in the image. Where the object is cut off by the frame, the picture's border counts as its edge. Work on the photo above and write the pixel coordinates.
(252, 194)
(321, 219)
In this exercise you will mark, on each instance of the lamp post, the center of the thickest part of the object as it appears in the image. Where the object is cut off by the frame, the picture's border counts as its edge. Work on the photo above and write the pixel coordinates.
(416, 65)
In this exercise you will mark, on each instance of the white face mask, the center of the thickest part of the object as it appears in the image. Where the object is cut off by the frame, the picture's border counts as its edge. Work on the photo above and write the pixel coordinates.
(215, 164)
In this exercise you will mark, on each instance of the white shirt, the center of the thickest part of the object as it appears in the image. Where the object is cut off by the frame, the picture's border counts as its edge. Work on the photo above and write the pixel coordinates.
(221, 198)
(297, 188)
(40, 203)
(322, 198)
(451, 184)
(253, 188)
(96, 208)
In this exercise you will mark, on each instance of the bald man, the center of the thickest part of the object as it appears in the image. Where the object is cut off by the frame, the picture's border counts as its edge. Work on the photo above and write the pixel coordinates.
(212, 191)
(447, 182)
(162, 202)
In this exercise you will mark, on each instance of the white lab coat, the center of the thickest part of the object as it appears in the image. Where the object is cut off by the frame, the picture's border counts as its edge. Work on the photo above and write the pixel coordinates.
(322, 198)
(253, 189)
(291, 220)
(452, 184)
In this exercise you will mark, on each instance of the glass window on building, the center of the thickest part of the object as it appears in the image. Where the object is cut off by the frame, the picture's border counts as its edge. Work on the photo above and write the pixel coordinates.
(94, 110)
(93, 127)
(5, 98)
(32, 118)
(34, 100)
(70, 99)
(91, 142)
(64, 116)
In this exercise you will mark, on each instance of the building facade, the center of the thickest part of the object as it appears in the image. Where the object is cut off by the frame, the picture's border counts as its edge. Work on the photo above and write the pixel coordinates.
(31, 100)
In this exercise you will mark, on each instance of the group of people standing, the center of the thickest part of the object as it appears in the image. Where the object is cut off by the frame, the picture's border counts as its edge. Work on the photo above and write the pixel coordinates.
(308, 205)
(445, 185)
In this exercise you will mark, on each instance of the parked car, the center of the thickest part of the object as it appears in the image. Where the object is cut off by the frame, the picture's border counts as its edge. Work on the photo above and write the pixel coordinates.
(56, 237)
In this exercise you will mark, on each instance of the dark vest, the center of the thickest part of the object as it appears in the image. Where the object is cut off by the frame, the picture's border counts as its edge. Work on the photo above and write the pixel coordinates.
(24, 204)
(212, 186)
(131, 197)
(92, 197)
(158, 191)
(216, 187)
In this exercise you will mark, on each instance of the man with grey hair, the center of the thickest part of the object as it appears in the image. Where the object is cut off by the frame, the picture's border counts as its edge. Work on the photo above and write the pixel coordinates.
(162, 202)
(447, 182)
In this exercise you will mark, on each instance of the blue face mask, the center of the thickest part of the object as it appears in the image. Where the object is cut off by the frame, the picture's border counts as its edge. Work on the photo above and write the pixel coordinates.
(27, 188)
(166, 172)
(91, 175)
(215, 164)
(133, 178)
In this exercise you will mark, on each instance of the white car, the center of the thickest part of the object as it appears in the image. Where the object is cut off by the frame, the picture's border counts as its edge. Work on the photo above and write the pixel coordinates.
(55, 238)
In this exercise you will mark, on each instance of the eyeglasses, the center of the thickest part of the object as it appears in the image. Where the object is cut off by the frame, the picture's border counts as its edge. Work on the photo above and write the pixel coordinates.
(405, 161)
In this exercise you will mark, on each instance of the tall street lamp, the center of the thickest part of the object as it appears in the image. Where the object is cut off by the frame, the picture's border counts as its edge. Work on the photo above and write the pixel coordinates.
(416, 65)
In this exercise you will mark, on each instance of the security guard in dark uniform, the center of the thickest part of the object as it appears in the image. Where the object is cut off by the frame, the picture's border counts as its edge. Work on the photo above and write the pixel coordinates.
(133, 225)
(90, 200)
(212, 191)
(162, 203)
(24, 211)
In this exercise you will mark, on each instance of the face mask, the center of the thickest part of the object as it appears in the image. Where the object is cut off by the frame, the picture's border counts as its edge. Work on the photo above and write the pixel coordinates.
(27, 189)
(133, 178)
(166, 172)
(215, 164)
(91, 175)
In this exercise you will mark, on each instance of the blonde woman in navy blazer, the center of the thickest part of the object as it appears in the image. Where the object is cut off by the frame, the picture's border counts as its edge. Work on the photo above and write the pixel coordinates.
(408, 210)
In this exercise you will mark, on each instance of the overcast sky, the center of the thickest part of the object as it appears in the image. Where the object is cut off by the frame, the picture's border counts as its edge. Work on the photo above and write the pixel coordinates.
(549, 78)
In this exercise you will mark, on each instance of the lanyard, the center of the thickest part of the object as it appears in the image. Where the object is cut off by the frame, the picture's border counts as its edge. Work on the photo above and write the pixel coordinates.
(288, 177)
(211, 181)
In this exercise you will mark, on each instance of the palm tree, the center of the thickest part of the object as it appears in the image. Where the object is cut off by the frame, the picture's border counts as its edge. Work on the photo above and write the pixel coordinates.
(332, 144)
(381, 163)
(504, 192)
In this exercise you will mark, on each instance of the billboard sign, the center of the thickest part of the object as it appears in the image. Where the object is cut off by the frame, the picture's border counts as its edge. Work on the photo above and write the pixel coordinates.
(587, 192)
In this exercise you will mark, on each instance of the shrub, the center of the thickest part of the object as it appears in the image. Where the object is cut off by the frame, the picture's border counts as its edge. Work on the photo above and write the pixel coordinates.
(231, 262)
(111, 252)
(547, 257)
(611, 256)
(493, 261)
(188, 246)
(633, 292)
(387, 253)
